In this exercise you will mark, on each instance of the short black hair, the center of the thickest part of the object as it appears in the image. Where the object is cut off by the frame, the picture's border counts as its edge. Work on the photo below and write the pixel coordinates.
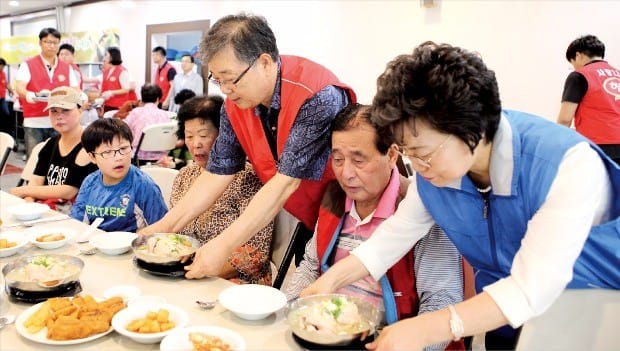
(161, 50)
(183, 95)
(356, 114)
(115, 55)
(103, 131)
(588, 45)
(150, 93)
(248, 35)
(207, 108)
(190, 57)
(66, 46)
(49, 31)
(446, 86)
(2, 62)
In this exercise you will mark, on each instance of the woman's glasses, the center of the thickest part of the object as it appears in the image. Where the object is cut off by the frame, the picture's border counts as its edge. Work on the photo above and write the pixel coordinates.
(420, 164)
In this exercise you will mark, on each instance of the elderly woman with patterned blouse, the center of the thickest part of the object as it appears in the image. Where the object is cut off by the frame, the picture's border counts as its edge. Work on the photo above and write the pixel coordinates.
(199, 121)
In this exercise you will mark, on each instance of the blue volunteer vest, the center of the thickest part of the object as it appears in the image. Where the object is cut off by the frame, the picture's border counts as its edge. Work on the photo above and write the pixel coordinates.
(490, 244)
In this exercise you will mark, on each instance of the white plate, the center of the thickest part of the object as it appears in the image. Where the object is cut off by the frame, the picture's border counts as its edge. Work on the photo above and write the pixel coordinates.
(18, 237)
(138, 311)
(29, 211)
(50, 245)
(41, 336)
(178, 340)
(252, 301)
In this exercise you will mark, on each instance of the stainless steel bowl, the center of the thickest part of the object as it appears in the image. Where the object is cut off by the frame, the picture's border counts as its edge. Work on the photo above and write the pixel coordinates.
(139, 243)
(41, 286)
(371, 317)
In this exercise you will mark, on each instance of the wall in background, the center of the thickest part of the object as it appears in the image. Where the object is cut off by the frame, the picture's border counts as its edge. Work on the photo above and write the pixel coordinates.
(523, 41)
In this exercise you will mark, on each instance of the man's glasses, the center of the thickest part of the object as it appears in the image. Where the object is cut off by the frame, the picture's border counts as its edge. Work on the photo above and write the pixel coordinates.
(420, 164)
(112, 153)
(230, 83)
(50, 42)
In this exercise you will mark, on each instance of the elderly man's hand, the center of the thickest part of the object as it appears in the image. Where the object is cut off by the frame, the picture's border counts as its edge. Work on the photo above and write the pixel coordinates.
(208, 261)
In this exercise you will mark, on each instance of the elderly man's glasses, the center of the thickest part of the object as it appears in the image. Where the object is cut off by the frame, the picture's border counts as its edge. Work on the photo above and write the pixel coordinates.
(422, 164)
(112, 153)
(231, 83)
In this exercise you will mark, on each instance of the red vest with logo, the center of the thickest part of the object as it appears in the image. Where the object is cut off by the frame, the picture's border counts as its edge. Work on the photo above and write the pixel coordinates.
(39, 80)
(598, 114)
(112, 82)
(300, 80)
(161, 79)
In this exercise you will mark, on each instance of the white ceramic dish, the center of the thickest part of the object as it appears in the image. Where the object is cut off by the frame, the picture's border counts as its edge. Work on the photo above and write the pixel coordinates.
(252, 301)
(29, 211)
(127, 292)
(18, 238)
(113, 243)
(138, 311)
(38, 232)
(146, 299)
(178, 340)
(41, 336)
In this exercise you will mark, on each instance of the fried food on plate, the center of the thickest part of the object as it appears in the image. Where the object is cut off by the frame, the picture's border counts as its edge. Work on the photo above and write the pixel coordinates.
(77, 318)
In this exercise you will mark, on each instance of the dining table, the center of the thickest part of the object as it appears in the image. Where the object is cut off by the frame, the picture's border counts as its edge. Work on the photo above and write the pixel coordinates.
(101, 272)
(585, 319)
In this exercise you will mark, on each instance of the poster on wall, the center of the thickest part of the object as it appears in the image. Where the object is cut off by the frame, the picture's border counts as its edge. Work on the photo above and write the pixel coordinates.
(90, 46)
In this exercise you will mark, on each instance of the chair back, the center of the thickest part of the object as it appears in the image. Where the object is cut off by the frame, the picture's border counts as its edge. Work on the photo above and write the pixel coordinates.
(157, 137)
(285, 238)
(31, 163)
(6, 146)
(164, 178)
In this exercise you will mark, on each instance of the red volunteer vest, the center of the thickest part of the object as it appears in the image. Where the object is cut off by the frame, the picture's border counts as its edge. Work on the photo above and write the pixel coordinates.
(300, 80)
(161, 79)
(2, 85)
(598, 114)
(113, 83)
(39, 80)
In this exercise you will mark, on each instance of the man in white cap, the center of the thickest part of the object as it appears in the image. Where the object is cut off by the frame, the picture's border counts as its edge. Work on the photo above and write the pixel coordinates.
(62, 164)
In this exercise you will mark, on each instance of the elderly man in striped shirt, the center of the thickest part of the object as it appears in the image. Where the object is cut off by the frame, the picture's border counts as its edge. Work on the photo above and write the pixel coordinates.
(367, 191)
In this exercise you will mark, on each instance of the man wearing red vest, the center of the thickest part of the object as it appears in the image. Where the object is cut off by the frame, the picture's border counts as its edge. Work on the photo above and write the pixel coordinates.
(164, 75)
(39, 75)
(592, 95)
(278, 114)
(367, 190)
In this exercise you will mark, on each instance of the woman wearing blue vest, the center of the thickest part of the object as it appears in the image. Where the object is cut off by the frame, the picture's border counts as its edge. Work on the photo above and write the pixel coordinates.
(533, 206)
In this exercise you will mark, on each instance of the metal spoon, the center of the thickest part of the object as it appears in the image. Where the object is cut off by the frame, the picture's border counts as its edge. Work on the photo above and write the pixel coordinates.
(206, 304)
(89, 251)
(5, 320)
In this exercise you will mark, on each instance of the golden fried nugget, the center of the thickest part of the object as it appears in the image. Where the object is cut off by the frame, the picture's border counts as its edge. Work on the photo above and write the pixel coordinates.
(68, 328)
(65, 311)
(58, 303)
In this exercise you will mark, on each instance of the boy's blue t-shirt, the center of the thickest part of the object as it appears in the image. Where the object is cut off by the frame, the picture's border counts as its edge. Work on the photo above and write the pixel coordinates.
(130, 205)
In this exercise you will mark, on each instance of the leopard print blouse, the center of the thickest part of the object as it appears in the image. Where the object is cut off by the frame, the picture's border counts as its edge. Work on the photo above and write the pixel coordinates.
(250, 260)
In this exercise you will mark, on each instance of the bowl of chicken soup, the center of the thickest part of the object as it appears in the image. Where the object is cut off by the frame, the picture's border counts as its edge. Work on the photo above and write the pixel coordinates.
(42, 273)
(332, 319)
(164, 248)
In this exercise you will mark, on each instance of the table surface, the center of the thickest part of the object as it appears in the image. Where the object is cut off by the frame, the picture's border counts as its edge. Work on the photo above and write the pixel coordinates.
(578, 320)
(102, 272)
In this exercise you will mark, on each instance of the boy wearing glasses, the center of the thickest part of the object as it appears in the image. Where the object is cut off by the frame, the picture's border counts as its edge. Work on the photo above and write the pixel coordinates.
(124, 196)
